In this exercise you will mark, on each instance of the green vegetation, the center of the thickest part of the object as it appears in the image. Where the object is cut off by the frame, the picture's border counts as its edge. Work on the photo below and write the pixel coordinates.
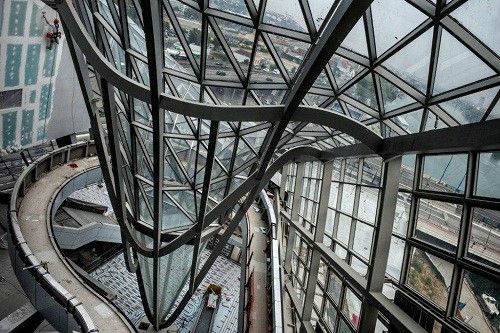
(424, 278)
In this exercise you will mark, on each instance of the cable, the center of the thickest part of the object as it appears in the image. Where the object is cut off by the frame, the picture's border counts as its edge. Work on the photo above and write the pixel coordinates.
(44, 140)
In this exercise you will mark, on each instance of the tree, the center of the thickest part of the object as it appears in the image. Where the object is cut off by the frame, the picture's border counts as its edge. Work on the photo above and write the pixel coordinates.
(194, 36)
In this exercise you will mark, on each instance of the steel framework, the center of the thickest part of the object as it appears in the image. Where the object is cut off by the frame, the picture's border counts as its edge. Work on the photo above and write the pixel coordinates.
(189, 129)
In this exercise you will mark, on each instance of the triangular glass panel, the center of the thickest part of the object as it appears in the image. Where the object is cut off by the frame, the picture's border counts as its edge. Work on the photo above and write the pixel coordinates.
(243, 154)
(357, 114)
(495, 113)
(320, 10)
(251, 100)
(207, 98)
(322, 81)
(392, 96)
(172, 216)
(256, 139)
(237, 7)
(481, 18)
(218, 66)
(291, 52)
(225, 127)
(411, 63)
(264, 68)
(171, 169)
(335, 107)
(314, 99)
(174, 56)
(434, 122)
(228, 96)
(317, 130)
(457, 65)
(240, 39)
(376, 128)
(186, 150)
(343, 69)
(217, 170)
(270, 97)
(471, 108)
(217, 190)
(142, 113)
(186, 89)
(409, 122)
(403, 18)
(144, 167)
(248, 124)
(286, 14)
(176, 123)
(356, 39)
(364, 92)
(184, 199)
(145, 204)
(224, 151)
(190, 22)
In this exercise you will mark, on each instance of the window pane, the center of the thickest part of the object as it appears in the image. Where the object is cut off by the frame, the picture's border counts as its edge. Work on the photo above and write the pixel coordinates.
(403, 206)
(444, 173)
(438, 223)
(330, 315)
(344, 229)
(430, 276)
(10, 98)
(351, 170)
(488, 176)
(334, 190)
(340, 252)
(344, 328)
(363, 239)
(347, 202)
(359, 266)
(372, 171)
(395, 258)
(407, 171)
(368, 198)
(478, 305)
(334, 287)
(484, 243)
(352, 307)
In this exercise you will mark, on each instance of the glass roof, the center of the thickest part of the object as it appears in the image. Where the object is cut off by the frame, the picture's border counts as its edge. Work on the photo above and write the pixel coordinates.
(404, 77)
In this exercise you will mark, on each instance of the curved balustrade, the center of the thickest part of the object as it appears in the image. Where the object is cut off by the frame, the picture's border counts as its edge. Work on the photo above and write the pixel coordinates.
(59, 307)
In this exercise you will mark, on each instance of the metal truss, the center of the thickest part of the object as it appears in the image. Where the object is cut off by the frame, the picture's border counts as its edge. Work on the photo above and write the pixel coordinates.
(187, 141)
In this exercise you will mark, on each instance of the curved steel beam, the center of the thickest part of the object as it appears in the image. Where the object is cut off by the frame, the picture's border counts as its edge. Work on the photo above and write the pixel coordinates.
(334, 120)
(199, 110)
(221, 112)
(96, 58)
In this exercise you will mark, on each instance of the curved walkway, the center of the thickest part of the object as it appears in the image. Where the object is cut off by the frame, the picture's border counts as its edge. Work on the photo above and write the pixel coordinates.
(32, 218)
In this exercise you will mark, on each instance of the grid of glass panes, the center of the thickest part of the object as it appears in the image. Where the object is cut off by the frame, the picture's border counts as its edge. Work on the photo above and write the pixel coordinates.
(336, 307)
(289, 186)
(445, 247)
(309, 199)
(352, 210)
(301, 260)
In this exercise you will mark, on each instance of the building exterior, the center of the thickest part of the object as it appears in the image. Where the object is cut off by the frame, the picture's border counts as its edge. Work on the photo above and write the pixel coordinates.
(28, 72)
